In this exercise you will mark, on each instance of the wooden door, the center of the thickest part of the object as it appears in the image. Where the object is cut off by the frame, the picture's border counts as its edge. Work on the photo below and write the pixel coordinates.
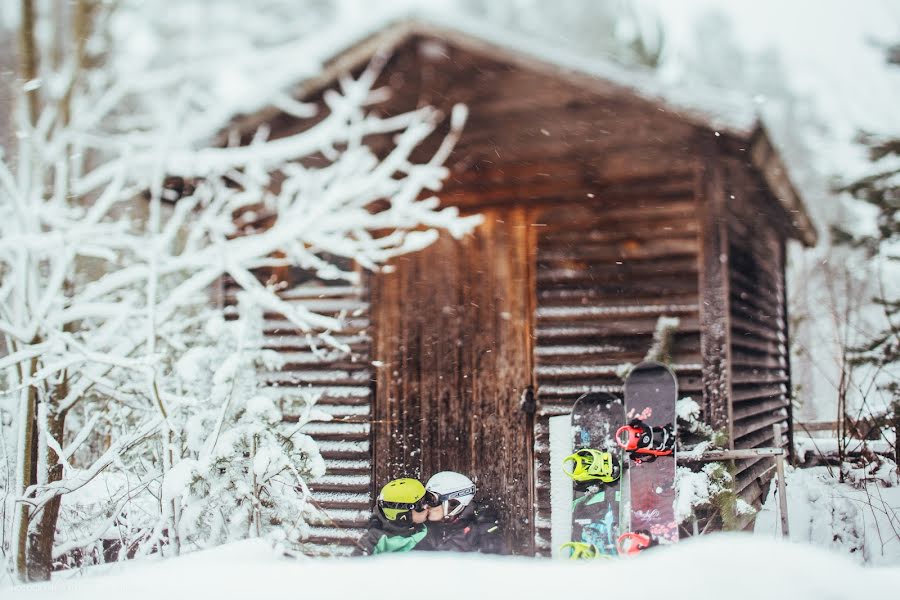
(452, 338)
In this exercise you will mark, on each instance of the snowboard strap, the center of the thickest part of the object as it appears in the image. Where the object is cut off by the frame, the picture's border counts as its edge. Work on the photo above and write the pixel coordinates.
(634, 542)
(580, 550)
(588, 464)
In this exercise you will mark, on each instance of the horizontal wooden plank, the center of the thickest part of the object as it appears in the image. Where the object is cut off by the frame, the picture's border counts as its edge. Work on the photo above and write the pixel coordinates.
(573, 313)
(748, 477)
(318, 377)
(587, 370)
(624, 334)
(345, 411)
(773, 315)
(757, 330)
(753, 423)
(768, 294)
(358, 488)
(763, 347)
(334, 468)
(755, 438)
(758, 377)
(751, 302)
(744, 360)
(818, 426)
(285, 341)
(556, 240)
(749, 409)
(344, 454)
(340, 436)
(276, 325)
(657, 249)
(330, 394)
(638, 289)
(576, 268)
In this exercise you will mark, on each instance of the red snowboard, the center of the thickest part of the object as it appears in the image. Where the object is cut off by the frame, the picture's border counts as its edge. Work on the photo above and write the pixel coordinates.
(651, 391)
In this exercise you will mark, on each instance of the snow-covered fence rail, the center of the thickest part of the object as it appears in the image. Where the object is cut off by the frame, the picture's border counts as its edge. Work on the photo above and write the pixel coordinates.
(752, 453)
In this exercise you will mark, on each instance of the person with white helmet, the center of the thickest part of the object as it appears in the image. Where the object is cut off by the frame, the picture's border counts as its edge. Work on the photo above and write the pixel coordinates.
(456, 521)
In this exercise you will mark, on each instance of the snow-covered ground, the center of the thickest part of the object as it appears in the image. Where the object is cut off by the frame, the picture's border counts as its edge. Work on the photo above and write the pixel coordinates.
(719, 566)
(859, 518)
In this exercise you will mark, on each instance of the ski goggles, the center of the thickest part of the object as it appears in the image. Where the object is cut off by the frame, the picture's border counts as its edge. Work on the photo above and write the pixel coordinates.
(432, 498)
(417, 506)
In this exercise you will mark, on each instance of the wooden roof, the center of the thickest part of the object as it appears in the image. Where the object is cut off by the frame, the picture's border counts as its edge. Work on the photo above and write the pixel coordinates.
(710, 109)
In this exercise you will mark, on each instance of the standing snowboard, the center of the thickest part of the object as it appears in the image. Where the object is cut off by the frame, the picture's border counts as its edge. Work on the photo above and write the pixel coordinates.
(595, 468)
(648, 436)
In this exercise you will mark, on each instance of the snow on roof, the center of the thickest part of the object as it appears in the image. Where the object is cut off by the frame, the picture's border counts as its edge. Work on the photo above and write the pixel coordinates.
(347, 45)
(388, 27)
(712, 107)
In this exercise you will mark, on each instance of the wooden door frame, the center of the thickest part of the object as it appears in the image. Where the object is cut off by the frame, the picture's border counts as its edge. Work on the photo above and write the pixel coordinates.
(523, 232)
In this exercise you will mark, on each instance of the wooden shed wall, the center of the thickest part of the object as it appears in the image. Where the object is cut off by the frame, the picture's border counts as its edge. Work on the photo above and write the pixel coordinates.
(608, 184)
(606, 272)
(760, 372)
(342, 382)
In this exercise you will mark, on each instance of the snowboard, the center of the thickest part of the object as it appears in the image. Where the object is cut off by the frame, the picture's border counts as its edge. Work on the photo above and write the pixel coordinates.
(648, 437)
(596, 457)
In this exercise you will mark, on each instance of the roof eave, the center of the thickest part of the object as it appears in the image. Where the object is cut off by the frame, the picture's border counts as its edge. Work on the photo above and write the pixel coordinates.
(765, 158)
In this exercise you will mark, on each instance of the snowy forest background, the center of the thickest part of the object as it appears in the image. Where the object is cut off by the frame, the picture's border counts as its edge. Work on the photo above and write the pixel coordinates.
(107, 333)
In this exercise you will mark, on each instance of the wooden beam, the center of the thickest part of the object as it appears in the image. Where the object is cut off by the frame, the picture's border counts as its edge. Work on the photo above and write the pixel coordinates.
(715, 318)
(766, 159)
(782, 488)
(787, 353)
(739, 454)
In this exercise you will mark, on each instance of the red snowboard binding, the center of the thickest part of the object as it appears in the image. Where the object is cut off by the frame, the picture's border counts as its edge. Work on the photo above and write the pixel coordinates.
(635, 542)
(645, 443)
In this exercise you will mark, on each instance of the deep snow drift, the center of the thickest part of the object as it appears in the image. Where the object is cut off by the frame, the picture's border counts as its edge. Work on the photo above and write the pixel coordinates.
(718, 566)
(859, 518)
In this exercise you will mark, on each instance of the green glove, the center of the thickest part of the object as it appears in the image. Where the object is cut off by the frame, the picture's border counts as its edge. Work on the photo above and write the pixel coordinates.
(398, 543)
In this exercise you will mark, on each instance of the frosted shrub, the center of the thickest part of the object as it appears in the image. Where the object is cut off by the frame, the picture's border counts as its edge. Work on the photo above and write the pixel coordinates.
(243, 470)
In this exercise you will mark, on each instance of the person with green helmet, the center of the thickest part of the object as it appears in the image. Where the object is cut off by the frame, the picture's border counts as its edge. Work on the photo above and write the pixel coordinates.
(398, 522)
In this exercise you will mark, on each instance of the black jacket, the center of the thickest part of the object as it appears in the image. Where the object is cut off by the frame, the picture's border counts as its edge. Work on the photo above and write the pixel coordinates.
(476, 529)
(378, 527)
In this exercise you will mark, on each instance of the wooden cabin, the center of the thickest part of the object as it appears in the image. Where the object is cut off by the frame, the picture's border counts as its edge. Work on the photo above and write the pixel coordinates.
(607, 205)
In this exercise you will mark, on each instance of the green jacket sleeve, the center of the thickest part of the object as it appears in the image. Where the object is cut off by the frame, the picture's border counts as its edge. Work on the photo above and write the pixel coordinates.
(399, 543)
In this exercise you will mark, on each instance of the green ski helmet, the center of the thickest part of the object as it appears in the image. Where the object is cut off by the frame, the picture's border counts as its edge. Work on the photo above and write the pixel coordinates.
(398, 498)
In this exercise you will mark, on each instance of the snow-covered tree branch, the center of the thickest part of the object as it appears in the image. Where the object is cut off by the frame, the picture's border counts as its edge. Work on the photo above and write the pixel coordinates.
(104, 292)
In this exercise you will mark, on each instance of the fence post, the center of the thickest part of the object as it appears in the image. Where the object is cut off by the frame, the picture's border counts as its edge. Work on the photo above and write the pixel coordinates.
(782, 488)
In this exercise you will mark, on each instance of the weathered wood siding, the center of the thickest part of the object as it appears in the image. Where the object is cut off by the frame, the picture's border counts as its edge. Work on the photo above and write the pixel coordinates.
(604, 213)
(606, 272)
(451, 331)
(342, 382)
(604, 184)
(758, 319)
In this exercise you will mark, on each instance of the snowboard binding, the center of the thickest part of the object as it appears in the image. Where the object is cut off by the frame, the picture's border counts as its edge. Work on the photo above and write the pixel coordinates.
(588, 464)
(644, 443)
(635, 542)
(580, 551)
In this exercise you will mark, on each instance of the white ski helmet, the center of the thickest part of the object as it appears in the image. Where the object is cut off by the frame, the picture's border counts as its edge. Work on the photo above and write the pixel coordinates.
(453, 490)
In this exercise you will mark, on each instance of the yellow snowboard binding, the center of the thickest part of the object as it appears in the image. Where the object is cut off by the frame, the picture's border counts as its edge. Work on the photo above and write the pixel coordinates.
(588, 464)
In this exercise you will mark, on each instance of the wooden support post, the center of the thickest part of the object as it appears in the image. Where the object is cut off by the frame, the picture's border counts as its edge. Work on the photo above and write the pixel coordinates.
(715, 318)
(782, 487)
(743, 453)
